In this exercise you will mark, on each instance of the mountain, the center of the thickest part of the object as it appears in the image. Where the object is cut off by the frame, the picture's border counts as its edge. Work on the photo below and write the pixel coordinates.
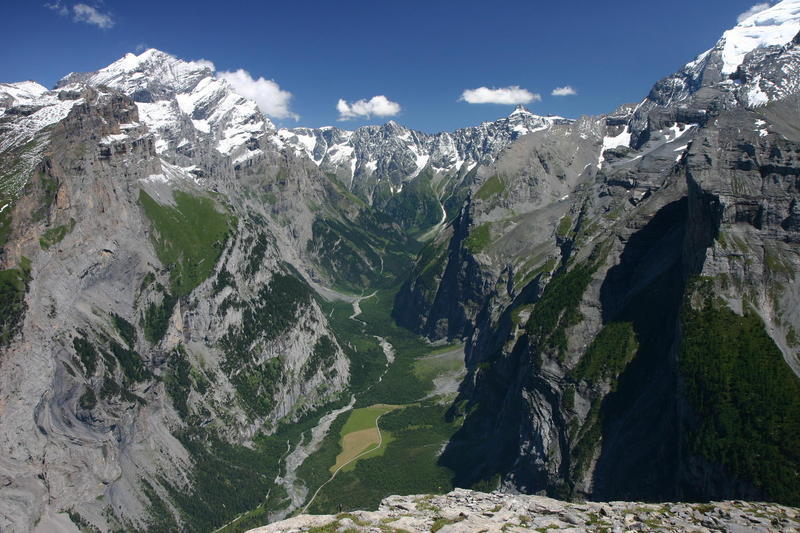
(396, 154)
(184, 105)
(157, 313)
(409, 174)
(631, 320)
(752, 64)
(192, 299)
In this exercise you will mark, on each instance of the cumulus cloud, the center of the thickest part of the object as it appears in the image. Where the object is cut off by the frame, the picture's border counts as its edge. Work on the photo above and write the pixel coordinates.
(758, 8)
(379, 106)
(503, 95)
(271, 99)
(83, 13)
(566, 90)
(206, 63)
(90, 15)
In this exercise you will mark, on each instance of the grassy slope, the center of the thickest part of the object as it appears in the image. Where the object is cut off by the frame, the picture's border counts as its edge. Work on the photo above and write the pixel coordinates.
(442, 361)
(407, 466)
(189, 237)
(360, 434)
(493, 186)
(363, 418)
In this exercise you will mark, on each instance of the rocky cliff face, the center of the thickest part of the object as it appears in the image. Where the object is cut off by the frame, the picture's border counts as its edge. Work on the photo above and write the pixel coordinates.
(150, 308)
(608, 252)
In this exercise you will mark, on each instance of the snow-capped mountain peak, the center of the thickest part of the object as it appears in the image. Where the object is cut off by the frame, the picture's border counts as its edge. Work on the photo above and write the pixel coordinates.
(754, 63)
(150, 70)
(183, 103)
(520, 110)
(776, 25)
(20, 92)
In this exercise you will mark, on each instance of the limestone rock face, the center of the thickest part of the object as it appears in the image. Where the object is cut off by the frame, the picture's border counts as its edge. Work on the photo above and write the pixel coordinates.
(134, 332)
(465, 510)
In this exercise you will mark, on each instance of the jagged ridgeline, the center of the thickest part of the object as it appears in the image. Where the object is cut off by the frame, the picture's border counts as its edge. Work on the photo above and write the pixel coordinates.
(202, 317)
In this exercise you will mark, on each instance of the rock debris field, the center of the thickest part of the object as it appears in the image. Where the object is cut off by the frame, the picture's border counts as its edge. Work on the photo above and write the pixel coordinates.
(465, 510)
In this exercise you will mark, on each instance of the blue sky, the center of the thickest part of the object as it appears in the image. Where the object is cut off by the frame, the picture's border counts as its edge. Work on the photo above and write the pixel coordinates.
(420, 55)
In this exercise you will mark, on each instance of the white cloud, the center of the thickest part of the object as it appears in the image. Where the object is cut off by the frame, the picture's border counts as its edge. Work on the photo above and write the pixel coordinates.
(271, 99)
(503, 95)
(758, 8)
(58, 6)
(90, 15)
(206, 63)
(566, 90)
(377, 105)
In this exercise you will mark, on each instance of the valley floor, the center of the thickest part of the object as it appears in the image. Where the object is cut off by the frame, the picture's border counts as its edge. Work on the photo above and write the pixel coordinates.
(401, 389)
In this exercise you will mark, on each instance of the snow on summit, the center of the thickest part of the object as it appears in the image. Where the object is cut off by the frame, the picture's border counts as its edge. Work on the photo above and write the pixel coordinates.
(21, 92)
(774, 26)
(171, 93)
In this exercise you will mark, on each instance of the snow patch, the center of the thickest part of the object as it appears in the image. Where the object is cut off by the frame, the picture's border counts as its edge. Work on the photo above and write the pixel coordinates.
(623, 139)
(157, 178)
(202, 126)
(157, 115)
(755, 96)
(250, 154)
(54, 110)
(22, 92)
(110, 139)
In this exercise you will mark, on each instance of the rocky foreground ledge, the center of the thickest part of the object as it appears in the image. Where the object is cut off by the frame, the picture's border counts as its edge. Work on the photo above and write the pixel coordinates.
(465, 510)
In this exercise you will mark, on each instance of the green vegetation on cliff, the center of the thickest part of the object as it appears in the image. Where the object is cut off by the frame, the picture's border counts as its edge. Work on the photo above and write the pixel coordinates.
(188, 238)
(557, 310)
(608, 354)
(53, 236)
(273, 311)
(491, 187)
(745, 398)
(156, 318)
(479, 238)
(13, 287)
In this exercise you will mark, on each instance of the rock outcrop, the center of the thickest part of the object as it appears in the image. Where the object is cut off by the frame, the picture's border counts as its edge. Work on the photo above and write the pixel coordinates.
(468, 511)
